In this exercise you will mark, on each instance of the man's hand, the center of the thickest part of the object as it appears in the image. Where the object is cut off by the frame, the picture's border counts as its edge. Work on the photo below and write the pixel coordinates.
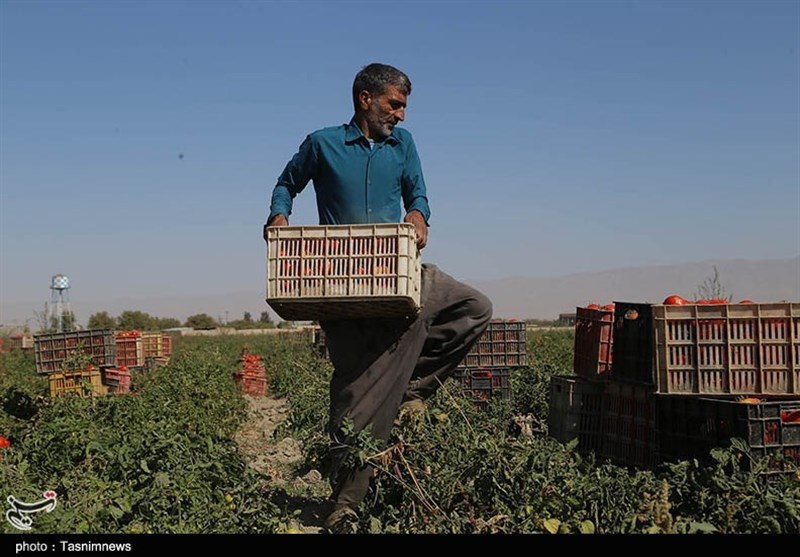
(416, 218)
(277, 220)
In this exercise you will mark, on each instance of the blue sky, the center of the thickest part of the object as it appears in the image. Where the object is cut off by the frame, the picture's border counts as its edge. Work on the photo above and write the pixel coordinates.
(555, 137)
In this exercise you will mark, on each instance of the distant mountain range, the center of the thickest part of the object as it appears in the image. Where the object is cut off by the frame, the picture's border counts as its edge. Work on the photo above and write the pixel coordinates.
(519, 297)
(544, 298)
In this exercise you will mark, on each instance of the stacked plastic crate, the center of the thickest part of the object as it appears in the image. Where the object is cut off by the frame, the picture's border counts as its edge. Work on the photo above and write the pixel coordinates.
(688, 377)
(719, 371)
(157, 349)
(117, 380)
(252, 376)
(72, 360)
(76, 381)
(130, 357)
(130, 350)
(485, 372)
(577, 402)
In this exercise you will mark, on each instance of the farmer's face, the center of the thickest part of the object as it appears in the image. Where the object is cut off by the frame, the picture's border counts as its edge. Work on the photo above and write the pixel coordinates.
(383, 112)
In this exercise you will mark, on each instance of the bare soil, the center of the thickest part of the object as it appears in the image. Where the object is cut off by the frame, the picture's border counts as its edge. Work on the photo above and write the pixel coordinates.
(281, 460)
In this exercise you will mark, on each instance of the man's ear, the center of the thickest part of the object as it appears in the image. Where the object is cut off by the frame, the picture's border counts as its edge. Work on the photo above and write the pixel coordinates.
(364, 100)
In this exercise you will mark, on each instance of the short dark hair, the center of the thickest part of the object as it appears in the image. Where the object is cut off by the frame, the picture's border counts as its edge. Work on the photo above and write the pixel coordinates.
(375, 77)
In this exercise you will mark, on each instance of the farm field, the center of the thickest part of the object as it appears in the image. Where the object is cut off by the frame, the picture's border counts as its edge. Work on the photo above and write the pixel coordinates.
(187, 453)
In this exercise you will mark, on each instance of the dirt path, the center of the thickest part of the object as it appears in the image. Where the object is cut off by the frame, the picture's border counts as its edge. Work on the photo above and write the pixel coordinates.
(281, 458)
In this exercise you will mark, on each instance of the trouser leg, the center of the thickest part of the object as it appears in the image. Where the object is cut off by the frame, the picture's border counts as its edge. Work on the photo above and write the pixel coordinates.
(374, 361)
(462, 317)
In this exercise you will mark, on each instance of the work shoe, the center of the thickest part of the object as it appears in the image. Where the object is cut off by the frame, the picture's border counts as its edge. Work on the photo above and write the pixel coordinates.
(343, 520)
(412, 409)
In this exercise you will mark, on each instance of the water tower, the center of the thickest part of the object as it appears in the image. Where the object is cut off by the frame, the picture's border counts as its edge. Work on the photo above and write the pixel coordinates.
(61, 317)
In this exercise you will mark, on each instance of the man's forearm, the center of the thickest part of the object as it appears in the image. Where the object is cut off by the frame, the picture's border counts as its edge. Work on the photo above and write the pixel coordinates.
(281, 202)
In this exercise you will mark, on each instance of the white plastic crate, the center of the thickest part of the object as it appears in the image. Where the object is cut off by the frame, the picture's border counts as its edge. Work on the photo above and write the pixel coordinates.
(343, 271)
(745, 349)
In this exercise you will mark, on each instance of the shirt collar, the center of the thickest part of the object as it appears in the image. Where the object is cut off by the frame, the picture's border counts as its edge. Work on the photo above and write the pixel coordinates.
(352, 133)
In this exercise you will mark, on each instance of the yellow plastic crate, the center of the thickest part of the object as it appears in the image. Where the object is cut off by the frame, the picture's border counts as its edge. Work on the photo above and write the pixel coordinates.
(80, 382)
(156, 345)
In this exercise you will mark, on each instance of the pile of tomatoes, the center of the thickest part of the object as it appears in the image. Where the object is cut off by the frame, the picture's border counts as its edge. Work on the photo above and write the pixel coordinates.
(607, 307)
(675, 300)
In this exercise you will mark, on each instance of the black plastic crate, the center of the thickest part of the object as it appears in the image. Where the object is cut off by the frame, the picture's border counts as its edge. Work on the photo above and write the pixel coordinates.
(633, 352)
(576, 412)
(690, 427)
(320, 343)
(502, 345)
(483, 385)
(52, 350)
(629, 424)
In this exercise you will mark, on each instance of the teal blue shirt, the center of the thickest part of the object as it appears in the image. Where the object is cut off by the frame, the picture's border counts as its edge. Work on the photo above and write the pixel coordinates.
(355, 184)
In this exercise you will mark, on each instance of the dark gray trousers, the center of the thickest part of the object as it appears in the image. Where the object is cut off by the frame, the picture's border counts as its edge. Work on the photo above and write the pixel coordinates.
(380, 363)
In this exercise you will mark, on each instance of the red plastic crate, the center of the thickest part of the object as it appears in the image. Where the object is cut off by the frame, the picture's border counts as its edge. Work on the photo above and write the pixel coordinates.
(130, 352)
(118, 380)
(594, 340)
(251, 385)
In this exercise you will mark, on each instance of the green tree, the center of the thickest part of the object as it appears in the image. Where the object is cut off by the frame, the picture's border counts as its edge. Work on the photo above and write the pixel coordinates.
(247, 317)
(69, 322)
(130, 320)
(201, 321)
(712, 288)
(265, 318)
(160, 323)
(101, 320)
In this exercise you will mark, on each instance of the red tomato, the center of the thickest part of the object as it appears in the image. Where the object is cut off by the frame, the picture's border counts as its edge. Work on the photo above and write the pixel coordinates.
(717, 301)
(593, 306)
(4, 443)
(608, 307)
(675, 300)
(746, 302)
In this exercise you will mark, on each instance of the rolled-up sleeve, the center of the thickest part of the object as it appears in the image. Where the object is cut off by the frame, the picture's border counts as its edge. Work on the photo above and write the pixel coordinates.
(415, 195)
(298, 172)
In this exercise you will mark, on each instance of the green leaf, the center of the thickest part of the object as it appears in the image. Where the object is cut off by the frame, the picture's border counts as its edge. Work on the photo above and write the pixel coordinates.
(124, 504)
(375, 526)
(586, 527)
(572, 444)
(701, 527)
(551, 525)
(654, 529)
(116, 512)
(143, 465)
(93, 446)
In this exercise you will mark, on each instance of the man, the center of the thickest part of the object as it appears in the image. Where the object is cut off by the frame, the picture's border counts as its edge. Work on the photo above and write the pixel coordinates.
(382, 367)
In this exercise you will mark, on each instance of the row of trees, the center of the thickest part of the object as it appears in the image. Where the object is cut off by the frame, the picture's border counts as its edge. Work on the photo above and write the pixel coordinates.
(142, 321)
